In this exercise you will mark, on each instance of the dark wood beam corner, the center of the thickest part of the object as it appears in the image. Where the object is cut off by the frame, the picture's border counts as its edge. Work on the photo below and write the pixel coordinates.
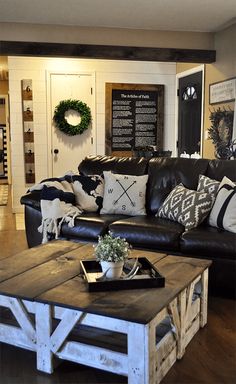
(112, 52)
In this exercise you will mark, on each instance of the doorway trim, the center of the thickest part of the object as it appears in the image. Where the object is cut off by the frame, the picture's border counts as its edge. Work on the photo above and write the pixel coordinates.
(49, 115)
(199, 68)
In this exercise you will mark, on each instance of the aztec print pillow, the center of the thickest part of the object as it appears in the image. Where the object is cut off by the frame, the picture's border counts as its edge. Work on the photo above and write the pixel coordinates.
(223, 213)
(124, 194)
(205, 184)
(186, 206)
(88, 192)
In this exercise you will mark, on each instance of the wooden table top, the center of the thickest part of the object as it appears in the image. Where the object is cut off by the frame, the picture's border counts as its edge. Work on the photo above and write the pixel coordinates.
(50, 273)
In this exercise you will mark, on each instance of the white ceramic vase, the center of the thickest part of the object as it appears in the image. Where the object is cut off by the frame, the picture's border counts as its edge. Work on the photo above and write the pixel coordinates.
(114, 270)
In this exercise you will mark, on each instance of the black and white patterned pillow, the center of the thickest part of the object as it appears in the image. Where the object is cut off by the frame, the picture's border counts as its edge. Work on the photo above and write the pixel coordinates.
(223, 213)
(88, 191)
(124, 194)
(186, 206)
(205, 184)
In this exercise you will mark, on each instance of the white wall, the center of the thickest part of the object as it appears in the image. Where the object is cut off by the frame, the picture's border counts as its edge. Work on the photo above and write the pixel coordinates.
(105, 71)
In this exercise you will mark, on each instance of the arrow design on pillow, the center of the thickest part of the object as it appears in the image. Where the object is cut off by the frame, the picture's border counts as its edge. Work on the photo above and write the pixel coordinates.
(125, 193)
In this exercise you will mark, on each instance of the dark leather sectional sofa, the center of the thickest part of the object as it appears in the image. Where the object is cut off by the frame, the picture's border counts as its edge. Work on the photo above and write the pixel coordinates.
(150, 232)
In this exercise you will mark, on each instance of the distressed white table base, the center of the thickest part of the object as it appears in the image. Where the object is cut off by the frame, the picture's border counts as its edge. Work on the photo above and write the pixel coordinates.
(145, 362)
(24, 335)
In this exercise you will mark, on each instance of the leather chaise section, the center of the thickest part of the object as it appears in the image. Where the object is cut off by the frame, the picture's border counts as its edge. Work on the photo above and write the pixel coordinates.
(219, 246)
(205, 240)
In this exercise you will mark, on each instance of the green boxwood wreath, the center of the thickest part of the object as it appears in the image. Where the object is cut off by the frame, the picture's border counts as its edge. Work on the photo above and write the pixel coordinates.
(76, 105)
(223, 149)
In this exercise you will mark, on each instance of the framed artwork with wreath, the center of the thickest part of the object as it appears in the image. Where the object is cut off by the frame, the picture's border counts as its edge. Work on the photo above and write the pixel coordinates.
(72, 105)
(220, 133)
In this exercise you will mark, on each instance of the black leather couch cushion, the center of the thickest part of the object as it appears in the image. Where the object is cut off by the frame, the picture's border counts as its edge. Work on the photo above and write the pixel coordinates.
(222, 274)
(88, 226)
(149, 232)
(209, 241)
(92, 165)
(166, 173)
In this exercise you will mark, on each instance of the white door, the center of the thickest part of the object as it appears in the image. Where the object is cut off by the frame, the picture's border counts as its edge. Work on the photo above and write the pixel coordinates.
(68, 151)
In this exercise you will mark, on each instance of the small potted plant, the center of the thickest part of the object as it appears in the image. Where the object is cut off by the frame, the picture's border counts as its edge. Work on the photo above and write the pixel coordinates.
(111, 252)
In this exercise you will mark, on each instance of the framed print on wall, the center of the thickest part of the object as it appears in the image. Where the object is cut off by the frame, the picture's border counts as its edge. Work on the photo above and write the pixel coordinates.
(134, 117)
(27, 89)
(222, 91)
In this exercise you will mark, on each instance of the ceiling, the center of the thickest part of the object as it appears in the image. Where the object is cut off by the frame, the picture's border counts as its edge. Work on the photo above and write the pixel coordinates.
(170, 15)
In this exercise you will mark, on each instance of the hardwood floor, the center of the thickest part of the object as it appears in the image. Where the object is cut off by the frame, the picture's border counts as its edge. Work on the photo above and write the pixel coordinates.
(11, 240)
(210, 357)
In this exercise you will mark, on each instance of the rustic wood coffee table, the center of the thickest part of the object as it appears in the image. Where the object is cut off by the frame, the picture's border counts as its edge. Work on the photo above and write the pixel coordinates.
(136, 333)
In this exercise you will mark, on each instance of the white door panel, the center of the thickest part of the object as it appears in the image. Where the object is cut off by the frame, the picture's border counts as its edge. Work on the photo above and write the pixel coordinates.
(70, 149)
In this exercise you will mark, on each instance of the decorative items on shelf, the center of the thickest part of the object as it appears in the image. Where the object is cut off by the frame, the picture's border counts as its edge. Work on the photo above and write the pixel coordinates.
(221, 132)
(111, 252)
(66, 106)
(195, 155)
(28, 130)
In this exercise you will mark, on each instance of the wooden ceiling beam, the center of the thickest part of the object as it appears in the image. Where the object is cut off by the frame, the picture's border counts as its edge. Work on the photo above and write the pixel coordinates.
(107, 52)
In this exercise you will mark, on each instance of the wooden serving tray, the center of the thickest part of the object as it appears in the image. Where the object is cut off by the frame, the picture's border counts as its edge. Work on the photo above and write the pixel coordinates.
(146, 277)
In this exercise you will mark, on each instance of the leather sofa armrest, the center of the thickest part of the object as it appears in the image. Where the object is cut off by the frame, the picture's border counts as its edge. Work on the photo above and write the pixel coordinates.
(32, 199)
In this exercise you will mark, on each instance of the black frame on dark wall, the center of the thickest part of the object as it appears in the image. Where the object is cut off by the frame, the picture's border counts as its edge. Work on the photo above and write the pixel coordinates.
(115, 52)
(129, 129)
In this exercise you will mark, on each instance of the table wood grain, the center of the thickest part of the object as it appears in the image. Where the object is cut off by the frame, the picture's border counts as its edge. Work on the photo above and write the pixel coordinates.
(50, 273)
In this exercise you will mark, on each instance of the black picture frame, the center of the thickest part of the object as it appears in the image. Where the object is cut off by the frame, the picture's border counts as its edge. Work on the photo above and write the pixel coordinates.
(133, 92)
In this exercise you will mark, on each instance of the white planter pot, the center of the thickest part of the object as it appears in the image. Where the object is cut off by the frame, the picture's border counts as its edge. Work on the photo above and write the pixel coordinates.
(114, 270)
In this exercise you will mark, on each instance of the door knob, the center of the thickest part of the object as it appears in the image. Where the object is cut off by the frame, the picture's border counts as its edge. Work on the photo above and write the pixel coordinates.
(56, 151)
